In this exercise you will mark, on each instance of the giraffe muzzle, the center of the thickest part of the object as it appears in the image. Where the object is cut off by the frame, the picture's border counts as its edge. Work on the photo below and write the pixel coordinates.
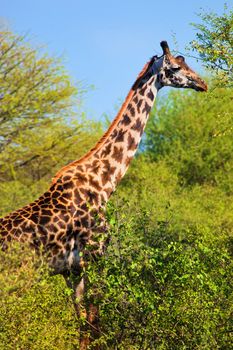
(199, 85)
(202, 87)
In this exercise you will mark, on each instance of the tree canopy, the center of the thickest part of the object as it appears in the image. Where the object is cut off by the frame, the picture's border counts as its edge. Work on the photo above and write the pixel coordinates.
(194, 134)
(41, 129)
(214, 43)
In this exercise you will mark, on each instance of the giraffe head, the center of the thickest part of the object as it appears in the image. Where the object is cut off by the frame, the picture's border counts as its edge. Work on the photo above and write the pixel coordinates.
(173, 71)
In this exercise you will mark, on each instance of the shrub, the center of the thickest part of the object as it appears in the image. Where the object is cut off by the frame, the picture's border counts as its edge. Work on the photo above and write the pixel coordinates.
(36, 310)
(156, 290)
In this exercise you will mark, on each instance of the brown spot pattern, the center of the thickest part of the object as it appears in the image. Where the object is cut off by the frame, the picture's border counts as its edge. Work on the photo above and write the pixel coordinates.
(150, 95)
(117, 154)
(147, 108)
(139, 106)
(106, 151)
(138, 125)
(143, 90)
(126, 120)
(120, 136)
(131, 143)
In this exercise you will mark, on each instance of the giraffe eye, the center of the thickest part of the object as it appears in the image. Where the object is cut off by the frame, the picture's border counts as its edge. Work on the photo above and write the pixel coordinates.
(175, 69)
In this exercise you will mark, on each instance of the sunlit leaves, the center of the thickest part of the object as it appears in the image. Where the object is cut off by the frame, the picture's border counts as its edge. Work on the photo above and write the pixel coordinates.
(214, 43)
(41, 127)
(194, 133)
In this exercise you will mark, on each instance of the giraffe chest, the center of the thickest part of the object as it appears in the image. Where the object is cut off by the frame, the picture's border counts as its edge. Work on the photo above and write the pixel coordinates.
(77, 252)
(78, 243)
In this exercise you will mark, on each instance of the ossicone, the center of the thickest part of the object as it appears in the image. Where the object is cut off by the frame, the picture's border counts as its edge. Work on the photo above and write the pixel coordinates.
(165, 47)
(180, 58)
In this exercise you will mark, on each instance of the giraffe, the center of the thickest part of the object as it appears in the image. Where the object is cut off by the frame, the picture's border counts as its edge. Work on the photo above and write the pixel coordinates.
(68, 219)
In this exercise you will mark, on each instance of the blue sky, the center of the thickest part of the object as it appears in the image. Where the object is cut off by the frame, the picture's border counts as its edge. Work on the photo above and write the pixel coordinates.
(106, 43)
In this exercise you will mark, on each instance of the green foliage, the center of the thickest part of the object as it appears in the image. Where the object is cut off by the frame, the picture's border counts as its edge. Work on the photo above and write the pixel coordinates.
(214, 43)
(36, 311)
(166, 284)
(33, 89)
(40, 129)
(193, 132)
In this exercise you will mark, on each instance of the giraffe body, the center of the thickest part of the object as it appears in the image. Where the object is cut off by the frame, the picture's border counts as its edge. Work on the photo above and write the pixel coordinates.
(68, 219)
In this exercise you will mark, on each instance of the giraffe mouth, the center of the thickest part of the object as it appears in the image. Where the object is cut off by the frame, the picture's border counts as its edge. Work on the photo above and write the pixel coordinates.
(199, 85)
(200, 88)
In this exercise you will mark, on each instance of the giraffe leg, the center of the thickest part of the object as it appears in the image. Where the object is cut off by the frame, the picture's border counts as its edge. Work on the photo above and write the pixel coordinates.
(93, 323)
(82, 313)
(89, 330)
(78, 300)
(87, 311)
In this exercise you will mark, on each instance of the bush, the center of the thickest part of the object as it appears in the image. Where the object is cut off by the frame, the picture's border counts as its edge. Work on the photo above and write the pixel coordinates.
(157, 290)
(164, 283)
(36, 310)
(193, 133)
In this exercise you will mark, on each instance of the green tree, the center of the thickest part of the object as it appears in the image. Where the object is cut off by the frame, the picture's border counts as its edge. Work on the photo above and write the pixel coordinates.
(36, 310)
(166, 284)
(214, 43)
(33, 89)
(40, 126)
(194, 133)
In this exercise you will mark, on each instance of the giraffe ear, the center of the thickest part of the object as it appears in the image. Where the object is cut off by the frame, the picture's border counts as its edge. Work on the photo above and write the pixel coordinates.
(165, 48)
(180, 58)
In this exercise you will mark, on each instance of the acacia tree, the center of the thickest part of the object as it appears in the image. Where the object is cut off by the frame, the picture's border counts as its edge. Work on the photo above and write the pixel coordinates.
(33, 89)
(214, 43)
(40, 128)
(194, 134)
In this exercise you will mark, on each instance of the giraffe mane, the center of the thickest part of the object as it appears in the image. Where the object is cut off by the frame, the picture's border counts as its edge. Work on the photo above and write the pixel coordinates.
(113, 124)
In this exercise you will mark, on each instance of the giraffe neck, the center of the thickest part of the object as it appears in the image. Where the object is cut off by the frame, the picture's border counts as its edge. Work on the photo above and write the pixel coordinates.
(70, 214)
(105, 165)
(121, 144)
